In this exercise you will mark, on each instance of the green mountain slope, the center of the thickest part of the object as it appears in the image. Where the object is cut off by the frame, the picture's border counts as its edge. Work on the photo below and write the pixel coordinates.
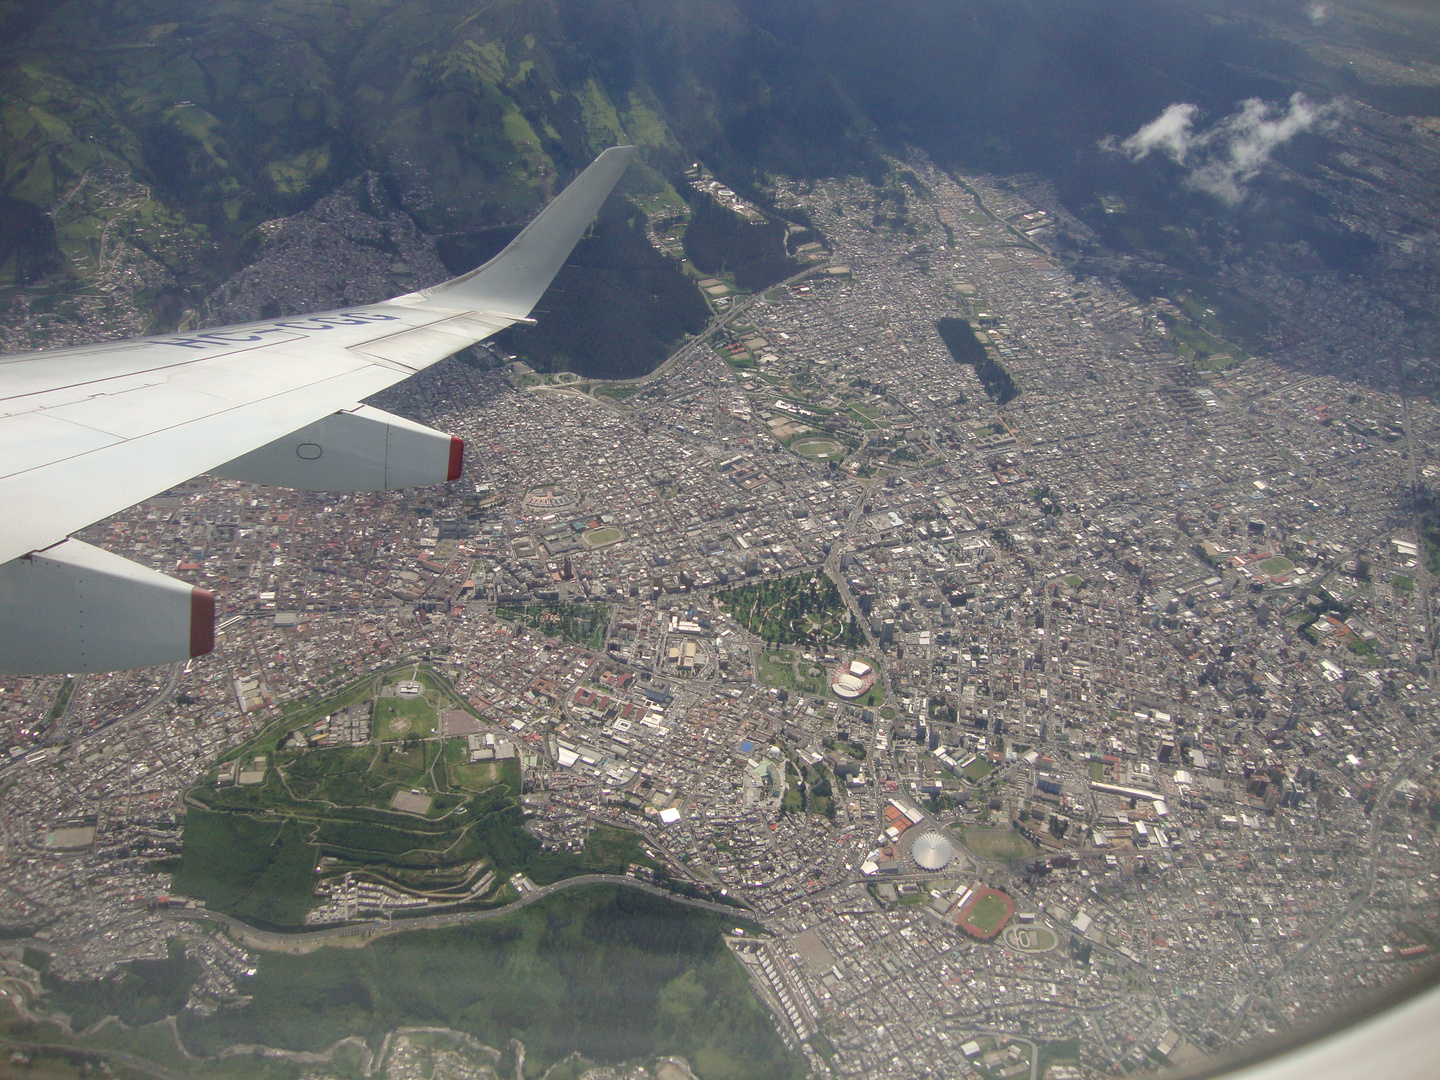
(141, 145)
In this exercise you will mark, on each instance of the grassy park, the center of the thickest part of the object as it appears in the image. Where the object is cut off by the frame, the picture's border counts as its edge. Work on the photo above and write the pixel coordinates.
(805, 609)
(399, 718)
(786, 670)
(473, 777)
(609, 850)
(580, 624)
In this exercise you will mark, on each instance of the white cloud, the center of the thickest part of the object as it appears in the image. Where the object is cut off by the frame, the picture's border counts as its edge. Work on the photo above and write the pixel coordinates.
(1222, 159)
(1318, 12)
(1170, 133)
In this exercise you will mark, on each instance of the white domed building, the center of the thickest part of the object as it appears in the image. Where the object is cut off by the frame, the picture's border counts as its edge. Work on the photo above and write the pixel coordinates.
(932, 851)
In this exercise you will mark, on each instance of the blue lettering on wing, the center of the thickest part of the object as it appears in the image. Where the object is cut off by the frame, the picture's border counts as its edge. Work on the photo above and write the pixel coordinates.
(230, 337)
(359, 318)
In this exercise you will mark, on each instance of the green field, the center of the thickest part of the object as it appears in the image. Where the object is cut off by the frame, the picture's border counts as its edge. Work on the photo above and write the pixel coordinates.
(617, 392)
(400, 718)
(817, 449)
(1208, 352)
(1402, 583)
(853, 749)
(602, 537)
(1057, 1050)
(998, 843)
(978, 769)
(341, 776)
(987, 914)
(409, 717)
(1044, 937)
(406, 765)
(609, 850)
(1275, 566)
(62, 698)
(305, 716)
(476, 777)
(610, 972)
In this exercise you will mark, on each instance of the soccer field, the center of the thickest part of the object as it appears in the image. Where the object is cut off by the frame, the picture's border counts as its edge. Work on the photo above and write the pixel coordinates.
(988, 914)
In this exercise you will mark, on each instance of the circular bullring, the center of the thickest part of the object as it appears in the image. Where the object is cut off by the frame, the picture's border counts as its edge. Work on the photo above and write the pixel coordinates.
(550, 499)
(852, 680)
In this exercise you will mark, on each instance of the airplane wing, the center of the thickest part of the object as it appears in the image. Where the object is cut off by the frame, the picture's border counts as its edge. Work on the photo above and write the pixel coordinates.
(87, 432)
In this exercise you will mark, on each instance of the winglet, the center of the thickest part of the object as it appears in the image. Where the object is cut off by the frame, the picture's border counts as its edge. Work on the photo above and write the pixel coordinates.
(513, 281)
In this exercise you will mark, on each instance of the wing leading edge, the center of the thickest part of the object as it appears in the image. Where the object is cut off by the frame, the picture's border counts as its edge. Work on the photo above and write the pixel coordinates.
(87, 432)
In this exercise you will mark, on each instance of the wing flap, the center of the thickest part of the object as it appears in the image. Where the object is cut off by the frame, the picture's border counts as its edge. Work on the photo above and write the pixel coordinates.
(138, 412)
(419, 348)
(36, 439)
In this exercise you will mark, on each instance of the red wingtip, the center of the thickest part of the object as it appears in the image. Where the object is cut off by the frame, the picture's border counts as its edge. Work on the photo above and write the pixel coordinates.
(202, 622)
(457, 458)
